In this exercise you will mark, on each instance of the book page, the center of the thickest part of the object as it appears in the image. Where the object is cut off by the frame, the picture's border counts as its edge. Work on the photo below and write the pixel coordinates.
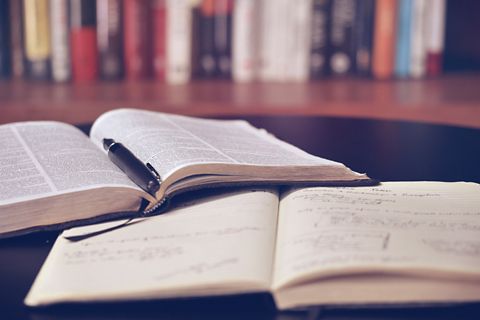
(39, 159)
(428, 228)
(212, 246)
(169, 142)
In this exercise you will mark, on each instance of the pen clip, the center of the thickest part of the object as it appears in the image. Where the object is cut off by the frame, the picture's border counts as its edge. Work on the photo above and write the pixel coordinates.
(153, 171)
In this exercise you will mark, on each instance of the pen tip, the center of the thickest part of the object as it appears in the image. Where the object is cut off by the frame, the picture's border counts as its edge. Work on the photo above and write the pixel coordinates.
(107, 143)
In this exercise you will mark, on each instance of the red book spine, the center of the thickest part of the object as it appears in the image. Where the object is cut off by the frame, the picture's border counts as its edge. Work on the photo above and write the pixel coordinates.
(137, 44)
(159, 38)
(83, 40)
(84, 54)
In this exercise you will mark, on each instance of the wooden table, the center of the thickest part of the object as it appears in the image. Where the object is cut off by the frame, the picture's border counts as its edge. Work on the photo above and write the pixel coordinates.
(386, 150)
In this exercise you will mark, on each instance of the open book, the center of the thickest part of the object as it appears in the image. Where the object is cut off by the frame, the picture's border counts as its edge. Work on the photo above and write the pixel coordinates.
(51, 173)
(400, 242)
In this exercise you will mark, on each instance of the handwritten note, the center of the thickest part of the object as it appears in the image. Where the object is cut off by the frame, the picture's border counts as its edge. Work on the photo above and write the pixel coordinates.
(218, 244)
(420, 225)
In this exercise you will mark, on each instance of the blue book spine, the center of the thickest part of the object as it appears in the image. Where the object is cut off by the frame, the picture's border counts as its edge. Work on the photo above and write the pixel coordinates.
(402, 54)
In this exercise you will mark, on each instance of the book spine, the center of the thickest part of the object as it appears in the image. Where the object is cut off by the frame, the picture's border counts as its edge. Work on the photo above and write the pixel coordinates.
(16, 39)
(319, 38)
(137, 39)
(207, 48)
(223, 37)
(179, 29)
(59, 30)
(402, 56)
(159, 38)
(196, 38)
(36, 39)
(4, 39)
(342, 46)
(364, 36)
(110, 38)
(83, 40)
(297, 59)
(418, 51)
(435, 35)
(384, 39)
(244, 29)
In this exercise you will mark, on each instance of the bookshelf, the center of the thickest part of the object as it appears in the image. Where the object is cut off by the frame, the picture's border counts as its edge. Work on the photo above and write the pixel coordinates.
(452, 99)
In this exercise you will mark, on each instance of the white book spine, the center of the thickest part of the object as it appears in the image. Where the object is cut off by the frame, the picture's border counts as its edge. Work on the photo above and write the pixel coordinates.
(244, 39)
(300, 26)
(59, 30)
(418, 51)
(179, 38)
(267, 50)
(435, 25)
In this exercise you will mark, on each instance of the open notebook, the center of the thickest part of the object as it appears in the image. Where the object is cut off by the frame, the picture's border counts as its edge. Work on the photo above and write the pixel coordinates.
(400, 242)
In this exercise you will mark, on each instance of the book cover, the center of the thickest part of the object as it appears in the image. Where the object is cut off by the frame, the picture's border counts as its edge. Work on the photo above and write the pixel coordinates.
(342, 49)
(83, 39)
(319, 38)
(404, 33)
(4, 39)
(110, 39)
(435, 36)
(59, 30)
(364, 36)
(37, 39)
(17, 54)
(159, 38)
(384, 39)
(137, 22)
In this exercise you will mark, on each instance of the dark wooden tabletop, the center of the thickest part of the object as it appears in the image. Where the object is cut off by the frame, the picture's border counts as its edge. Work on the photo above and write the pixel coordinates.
(386, 150)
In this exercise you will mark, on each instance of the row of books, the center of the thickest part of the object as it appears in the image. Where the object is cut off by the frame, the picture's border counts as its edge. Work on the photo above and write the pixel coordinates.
(246, 40)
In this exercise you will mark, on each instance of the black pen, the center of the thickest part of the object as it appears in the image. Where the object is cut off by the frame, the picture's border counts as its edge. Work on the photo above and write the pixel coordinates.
(143, 175)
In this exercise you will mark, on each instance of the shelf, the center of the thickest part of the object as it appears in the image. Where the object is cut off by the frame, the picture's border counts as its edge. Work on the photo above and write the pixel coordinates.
(451, 99)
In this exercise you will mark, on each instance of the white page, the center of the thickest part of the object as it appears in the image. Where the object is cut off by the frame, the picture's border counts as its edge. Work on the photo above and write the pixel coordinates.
(422, 227)
(48, 158)
(220, 246)
(171, 141)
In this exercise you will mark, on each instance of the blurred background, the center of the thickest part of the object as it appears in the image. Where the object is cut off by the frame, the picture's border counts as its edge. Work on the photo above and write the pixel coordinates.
(71, 60)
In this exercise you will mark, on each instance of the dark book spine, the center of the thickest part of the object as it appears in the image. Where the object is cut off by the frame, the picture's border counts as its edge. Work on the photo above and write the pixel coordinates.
(342, 46)
(319, 38)
(4, 39)
(207, 41)
(36, 39)
(137, 38)
(83, 39)
(159, 39)
(223, 37)
(17, 55)
(364, 36)
(196, 68)
(109, 38)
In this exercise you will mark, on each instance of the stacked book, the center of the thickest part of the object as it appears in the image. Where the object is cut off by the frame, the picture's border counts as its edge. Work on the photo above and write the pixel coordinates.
(245, 40)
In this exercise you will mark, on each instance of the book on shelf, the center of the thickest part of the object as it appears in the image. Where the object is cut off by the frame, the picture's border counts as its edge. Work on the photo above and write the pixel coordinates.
(399, 243)
(110, 39)
(83, 37)
(60, 34)
(5, 64)
(384, 39)
(342, 44)
(37, 39)
(137, 44)
(53, 175)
